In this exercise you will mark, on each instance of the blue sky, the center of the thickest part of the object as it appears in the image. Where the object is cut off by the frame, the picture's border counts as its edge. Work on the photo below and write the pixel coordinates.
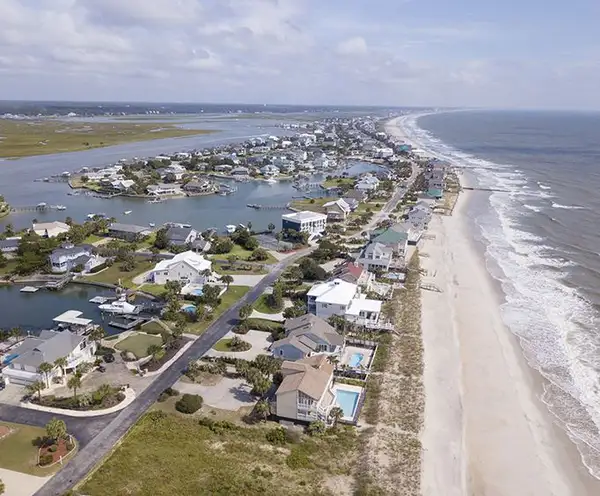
(510, 54)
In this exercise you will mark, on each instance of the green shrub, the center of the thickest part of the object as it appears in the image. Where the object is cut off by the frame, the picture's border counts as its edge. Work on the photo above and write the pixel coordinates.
(276, 436)
(98, 268)
(53, 448)
(189, 403)
(70, 445)
(46, 459)
(298, 458)
(171, 392)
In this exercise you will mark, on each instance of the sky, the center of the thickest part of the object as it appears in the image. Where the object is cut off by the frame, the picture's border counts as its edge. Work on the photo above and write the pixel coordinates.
(467, 53)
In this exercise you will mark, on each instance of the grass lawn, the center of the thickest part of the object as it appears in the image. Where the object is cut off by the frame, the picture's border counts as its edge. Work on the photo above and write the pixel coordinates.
(112, 274)
(91, 239)
(223, 345)
(18, 450)
(230, 297)
(236, 460)
(262, 306)
(138, 344)
(338, 181)
(153, 327)
(233, 272)
(313, 205)
(242, 255)
(148, 242)
(153, 289)
(25, 138)
(10, 266)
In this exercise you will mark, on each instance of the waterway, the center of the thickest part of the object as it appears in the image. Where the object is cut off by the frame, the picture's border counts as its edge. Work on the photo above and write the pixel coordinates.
(33, 312)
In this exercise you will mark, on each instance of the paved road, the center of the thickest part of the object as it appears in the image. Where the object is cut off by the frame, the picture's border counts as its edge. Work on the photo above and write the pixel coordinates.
(117, 426)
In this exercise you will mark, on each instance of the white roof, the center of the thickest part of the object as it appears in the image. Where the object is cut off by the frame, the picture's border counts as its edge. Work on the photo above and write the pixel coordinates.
(340, 202)
(72, 317)
(363, 305)
(336, 292)
(305, 215)
(43, 226)
(194, 260)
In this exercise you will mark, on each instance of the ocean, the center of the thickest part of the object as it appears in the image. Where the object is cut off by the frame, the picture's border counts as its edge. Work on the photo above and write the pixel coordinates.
(541, 242)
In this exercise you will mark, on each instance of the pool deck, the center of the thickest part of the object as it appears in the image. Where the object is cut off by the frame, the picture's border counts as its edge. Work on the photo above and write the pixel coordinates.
(349, 351)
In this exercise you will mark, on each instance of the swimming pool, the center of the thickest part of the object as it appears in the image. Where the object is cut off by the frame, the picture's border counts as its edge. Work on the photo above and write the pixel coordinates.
(189, 309)
(9, 358)
(347, 401)
(355, 360)
(198, 292)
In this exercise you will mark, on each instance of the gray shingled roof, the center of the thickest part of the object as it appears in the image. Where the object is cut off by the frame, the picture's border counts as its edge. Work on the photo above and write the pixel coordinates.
(47, 347)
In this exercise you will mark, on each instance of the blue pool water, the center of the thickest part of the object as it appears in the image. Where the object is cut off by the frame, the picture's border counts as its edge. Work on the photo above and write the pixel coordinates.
(347, 401)
(189, 308)
(9, 358)
(355, 360)
(197, 292)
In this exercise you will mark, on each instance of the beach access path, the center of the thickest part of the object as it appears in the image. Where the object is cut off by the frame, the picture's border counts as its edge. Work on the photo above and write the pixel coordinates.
(486, 430)
(102, 444)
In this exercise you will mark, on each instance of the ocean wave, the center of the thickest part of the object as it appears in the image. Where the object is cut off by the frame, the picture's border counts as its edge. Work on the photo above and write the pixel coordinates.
(533, 208)
(555, 324)
(567, 207)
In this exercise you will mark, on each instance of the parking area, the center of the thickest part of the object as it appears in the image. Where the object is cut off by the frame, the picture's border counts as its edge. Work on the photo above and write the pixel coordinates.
(227, 394)
(12, 394)
(260, 341)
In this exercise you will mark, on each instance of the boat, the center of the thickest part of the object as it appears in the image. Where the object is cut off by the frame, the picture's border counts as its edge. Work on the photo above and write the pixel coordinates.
(127, 212)
(60, 207)
(156, 200)
(120, 306)
(230, 228)
(271, 181)
(152, 224)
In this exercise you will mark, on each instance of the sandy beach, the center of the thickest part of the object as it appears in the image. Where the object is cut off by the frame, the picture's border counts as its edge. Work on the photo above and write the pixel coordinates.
(486, 432)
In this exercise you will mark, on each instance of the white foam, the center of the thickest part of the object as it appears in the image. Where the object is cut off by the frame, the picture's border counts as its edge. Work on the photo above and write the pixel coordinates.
(567, 207)
(555, 324)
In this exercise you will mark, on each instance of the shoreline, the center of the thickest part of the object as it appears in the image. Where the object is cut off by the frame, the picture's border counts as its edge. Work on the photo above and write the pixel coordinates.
(486, 429)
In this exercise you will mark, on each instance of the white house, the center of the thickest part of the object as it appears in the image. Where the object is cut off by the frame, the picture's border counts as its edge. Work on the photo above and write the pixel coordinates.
(384, 152)
(50, 229)
(367, 183)
(187, 267)
(122, 184)
(310, 222)
(376, 256)
(269, 170)
(338, 297)
(163, 189)
(306, 392)
(46, 348)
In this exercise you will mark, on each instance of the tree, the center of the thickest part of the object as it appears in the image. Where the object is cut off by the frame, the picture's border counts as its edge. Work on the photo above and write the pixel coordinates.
(232, 259)
(316, 428)
(179, 328)
(56, 429)
(245, 311)
(36, 388)
(2, 488)
(83, 368)
(173, 288)
(275, 299)
(155, 351)
(162, 239)
(74, 383)
(97, 334)
(259, 255)
(226, 279)
(200, 312)
(262, 409)
(295, 272)
(9, 230)
(46, 368)
(69, 221)
(335, 414)
(3, 260)
(61, 362)
(271, 227)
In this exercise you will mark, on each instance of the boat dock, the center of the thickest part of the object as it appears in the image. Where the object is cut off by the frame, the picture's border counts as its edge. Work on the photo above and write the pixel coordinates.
(58, 284)
(268, 207)
(130, 323)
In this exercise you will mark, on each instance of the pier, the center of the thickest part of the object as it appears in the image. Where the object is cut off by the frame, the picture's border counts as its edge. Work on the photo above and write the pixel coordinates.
(130, 323)
(42, 207)
(58, 284)
(493, 190)
(268, 207)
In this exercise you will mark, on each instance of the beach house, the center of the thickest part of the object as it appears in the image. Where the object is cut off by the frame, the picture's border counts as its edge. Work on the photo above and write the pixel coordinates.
(187, 267)
(181, 236)
(354, 273)
(306, 336)
(306, 392)
(23, 368)
(376, 257)
(395, 237)
(338, 297)
(306, 221)
(163, 189)
(367, 183)
(128, 232)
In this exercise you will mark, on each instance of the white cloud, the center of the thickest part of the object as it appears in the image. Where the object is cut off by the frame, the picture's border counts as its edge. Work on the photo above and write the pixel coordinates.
(353, 46)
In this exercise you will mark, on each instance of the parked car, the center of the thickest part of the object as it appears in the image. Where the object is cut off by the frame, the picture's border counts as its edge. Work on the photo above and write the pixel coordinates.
(102, 368)
(2, 385)
(109, 358)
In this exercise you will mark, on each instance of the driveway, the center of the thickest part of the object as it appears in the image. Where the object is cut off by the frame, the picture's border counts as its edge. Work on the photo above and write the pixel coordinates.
(228, 394)
(18, 484)
(259, 340)
(12, 394)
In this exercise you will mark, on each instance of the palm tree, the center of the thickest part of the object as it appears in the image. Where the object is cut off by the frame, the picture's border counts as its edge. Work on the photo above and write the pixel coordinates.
(74, 383)
(335, 415)
(262, 409)
(226, 279)
(155, 350)
(15, 332)
(83, 368)
(97, 334)
(46, 368)
(333, 360)
(245, 311)
(61, 362)
(36, 388)
(207, 273)
(56, 429)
